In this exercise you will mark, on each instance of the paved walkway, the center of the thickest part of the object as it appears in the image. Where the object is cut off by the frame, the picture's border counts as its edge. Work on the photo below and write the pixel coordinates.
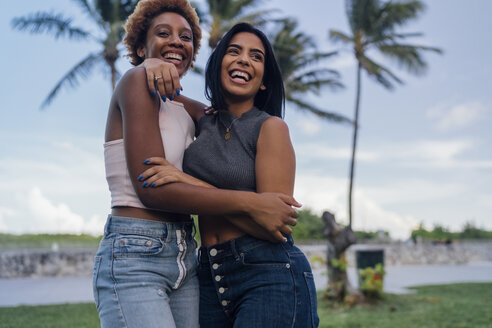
(36, 291)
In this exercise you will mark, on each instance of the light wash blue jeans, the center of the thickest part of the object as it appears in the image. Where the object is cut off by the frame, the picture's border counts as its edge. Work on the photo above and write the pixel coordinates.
(145, 274)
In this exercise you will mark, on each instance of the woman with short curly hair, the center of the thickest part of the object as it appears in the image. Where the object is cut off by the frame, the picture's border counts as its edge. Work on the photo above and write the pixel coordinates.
(145, 268)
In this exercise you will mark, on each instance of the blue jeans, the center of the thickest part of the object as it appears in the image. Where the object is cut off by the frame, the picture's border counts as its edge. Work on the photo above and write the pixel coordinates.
(247, 282)
(145, 274)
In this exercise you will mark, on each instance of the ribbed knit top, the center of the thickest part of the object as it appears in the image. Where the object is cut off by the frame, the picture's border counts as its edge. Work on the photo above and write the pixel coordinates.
(177, 131)
(226, 164)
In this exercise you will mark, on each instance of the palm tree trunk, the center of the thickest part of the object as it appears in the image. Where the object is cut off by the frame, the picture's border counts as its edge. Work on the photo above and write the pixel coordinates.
(114, 74)
(354, 144)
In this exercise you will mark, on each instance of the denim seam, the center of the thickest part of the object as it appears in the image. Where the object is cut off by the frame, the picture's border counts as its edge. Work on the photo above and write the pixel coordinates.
(305, 274)
(294, 284)
(95, 275)
(114, 286)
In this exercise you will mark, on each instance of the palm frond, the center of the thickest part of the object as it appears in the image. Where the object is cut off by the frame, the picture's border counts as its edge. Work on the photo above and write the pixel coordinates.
(408, 56)
(377, 71)
(81, 70)
(338, 36)
(90, 11)
(319, 112)
(57, 25)
(393, 14)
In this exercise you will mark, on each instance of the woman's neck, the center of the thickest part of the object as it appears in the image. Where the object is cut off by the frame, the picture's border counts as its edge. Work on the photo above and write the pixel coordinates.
(239, 108)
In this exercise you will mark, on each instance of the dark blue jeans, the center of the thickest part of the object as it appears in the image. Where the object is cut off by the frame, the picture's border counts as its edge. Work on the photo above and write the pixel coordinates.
(247, 282)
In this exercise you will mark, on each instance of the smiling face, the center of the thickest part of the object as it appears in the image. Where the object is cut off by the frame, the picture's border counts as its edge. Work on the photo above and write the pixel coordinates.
(169, 38)
(242, 68)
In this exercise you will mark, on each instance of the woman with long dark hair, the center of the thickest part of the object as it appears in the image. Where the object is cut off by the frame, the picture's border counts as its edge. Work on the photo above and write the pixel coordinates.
(246, 281)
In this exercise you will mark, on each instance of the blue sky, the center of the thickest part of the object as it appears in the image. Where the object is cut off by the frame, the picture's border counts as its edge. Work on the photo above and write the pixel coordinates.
(424, 149)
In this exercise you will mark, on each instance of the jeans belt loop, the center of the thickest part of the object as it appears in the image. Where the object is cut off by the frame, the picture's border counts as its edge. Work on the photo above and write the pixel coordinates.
(107, 225)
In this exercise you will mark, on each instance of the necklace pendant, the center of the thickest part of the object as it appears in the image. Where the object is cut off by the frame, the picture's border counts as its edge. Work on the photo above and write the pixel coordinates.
(227, 135)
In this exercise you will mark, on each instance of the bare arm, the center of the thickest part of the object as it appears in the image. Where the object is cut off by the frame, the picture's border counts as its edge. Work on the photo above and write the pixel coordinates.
(143, 140)
(162, 172)
(275, 160)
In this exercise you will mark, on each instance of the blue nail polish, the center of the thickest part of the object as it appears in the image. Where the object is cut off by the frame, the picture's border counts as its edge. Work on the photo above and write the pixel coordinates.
(163, 98)
(152, 92)
(145, 184)
(178, 92)
(152, 184)
(140, 178)
(147, 161)
(181, 88)
(170, 97)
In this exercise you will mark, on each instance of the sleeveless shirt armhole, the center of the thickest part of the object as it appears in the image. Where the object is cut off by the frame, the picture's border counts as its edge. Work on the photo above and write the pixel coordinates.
(258, 126)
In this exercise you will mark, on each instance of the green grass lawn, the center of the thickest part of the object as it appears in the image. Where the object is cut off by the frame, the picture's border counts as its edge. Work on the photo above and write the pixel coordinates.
(456, 305)
(443, 306)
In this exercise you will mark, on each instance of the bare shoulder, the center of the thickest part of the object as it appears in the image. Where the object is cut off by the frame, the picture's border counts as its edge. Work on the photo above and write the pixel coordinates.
(135, 74)
(274, 126)
(193, 107)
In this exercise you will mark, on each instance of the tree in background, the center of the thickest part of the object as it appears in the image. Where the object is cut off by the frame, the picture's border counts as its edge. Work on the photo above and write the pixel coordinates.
(296, 52)
(299, 60)
(373, 25)
(108, 15)
(224, 14)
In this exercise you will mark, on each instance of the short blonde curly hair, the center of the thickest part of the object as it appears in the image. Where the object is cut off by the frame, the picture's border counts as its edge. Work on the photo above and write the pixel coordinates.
(140, 20)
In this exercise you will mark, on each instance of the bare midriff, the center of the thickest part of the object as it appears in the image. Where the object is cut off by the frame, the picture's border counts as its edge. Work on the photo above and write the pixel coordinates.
(149, 214)
(216, 230)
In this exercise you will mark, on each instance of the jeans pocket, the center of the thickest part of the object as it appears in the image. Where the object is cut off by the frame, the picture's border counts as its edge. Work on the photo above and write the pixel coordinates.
(95, 273)
(136, 246)
(309, 279)
(265, 257)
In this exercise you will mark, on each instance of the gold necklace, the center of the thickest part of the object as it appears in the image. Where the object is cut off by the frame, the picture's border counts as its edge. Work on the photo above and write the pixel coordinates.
(227, 135)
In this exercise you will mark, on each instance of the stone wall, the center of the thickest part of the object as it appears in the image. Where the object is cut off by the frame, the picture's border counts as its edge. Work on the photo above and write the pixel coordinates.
(46, 263)
(49, 263)
(397, 254)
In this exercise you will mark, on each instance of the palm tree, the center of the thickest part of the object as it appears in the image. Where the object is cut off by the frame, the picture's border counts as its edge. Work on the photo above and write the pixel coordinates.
(108, 15)
(373, 25)
(224, 14)
(297, 57)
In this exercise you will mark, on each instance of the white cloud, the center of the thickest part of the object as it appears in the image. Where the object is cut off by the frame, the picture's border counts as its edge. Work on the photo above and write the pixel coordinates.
(309, 127)
(49, 217)
(314, 151)
(329, 193)
(4, 213)
(457, 116)
(413, 191)
(343, 61)
(434, 154)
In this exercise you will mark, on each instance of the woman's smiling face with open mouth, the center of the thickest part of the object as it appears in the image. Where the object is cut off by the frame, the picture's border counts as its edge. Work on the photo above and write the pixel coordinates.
(243, 67)
(170, 38)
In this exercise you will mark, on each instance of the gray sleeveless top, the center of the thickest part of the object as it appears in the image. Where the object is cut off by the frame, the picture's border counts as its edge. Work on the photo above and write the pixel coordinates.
(226, 164)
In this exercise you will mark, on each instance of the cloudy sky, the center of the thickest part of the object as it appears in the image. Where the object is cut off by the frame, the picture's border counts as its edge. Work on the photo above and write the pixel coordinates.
(424, 154)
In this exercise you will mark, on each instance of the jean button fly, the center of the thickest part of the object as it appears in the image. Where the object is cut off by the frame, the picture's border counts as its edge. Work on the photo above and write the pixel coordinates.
(215, 266)
(213, 252)
(218, 278)
(221, 290)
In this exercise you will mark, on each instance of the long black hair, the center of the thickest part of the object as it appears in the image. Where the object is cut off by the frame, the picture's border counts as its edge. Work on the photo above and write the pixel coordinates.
(270, 100)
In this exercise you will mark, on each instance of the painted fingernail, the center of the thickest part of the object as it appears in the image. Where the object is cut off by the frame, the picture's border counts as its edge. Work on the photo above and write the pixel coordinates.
(181, 88)
(152, 184)
(145, 184)
(152, 92)
(140, 178)
(147, 161)
(163, 98)
(178, 92)
(170, 97)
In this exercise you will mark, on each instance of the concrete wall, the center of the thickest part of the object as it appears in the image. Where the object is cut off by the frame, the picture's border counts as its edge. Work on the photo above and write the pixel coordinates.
(67, 263)
(17, 264)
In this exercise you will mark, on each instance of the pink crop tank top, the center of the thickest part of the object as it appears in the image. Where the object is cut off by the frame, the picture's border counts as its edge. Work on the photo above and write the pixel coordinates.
(177, 132)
